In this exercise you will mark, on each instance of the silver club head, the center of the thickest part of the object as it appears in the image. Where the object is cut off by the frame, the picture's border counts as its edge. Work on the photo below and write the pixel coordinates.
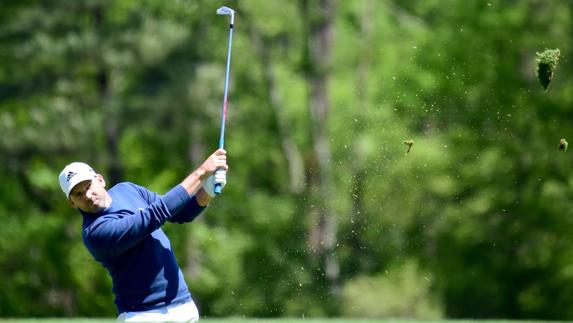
(227, 11)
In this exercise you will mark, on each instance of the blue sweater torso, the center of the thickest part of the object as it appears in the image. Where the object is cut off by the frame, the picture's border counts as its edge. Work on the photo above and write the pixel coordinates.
(126, 238)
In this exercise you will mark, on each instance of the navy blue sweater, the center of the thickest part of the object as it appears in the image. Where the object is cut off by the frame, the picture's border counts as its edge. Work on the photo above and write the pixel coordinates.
(126, 238)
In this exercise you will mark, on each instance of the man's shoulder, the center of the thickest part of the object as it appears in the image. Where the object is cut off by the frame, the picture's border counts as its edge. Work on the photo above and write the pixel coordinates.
(125, 186)
(122, 185)
(129, 190)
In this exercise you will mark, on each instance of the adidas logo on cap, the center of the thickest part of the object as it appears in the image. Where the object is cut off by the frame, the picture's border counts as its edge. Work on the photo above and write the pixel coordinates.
(70, 175)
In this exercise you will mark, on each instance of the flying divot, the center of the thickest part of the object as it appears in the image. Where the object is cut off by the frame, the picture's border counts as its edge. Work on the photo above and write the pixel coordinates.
(409, 143)
(546, 65)
(563, 144)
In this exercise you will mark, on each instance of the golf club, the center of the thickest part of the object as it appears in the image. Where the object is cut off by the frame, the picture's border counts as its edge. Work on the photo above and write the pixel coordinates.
(230, 12)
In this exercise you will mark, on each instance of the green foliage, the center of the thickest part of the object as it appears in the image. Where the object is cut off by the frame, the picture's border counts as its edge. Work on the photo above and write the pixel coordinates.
(402, 292)
(481, 204)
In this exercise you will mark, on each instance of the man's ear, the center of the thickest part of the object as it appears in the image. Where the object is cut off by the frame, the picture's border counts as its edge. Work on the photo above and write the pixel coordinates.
(100, 179)
(71, 203)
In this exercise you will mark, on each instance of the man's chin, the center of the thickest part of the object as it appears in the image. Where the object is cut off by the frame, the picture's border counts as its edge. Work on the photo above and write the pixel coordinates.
(92, 209)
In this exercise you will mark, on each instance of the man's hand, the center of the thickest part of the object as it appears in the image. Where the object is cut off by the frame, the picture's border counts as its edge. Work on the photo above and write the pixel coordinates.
(217, 161)
(218, 177)
(201, 177)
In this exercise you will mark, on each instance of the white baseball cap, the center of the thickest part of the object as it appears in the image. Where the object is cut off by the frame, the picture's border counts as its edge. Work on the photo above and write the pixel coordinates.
(73, 174)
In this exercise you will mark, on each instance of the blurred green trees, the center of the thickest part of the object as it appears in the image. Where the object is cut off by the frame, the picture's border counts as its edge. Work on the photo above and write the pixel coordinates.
(324, 213)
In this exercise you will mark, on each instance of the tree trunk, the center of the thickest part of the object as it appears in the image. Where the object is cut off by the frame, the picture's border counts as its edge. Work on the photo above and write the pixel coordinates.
(292, 153)
(319, 18)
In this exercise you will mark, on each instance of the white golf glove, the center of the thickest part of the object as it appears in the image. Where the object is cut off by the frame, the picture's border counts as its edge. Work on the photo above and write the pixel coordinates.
(218, 177)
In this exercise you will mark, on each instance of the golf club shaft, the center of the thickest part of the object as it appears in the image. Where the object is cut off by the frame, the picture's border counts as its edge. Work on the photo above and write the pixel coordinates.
(225, 101)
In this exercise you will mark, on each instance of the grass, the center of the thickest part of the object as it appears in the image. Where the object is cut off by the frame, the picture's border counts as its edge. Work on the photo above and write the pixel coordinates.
(253, 320)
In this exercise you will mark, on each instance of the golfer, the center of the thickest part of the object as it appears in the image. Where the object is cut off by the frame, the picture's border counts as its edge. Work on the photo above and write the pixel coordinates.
(122, 230)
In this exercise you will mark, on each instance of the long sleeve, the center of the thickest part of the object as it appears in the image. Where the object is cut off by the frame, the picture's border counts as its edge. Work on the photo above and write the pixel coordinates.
(131, 219)
(189, 212)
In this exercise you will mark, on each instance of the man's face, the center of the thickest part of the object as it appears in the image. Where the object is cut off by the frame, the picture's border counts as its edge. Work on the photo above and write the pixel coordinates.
(90, 196)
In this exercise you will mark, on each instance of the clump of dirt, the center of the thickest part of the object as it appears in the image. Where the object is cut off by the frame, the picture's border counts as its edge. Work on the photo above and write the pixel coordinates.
(563, 144)
(546, 65)
(409, 143)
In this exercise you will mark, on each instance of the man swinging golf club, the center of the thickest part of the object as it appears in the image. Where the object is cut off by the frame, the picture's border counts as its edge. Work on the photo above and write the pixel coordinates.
(122, 230)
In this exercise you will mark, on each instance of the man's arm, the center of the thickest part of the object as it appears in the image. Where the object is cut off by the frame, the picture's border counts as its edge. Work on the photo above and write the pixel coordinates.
(190, 212)
(112, 234)
(193, 183)
(203, 198)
